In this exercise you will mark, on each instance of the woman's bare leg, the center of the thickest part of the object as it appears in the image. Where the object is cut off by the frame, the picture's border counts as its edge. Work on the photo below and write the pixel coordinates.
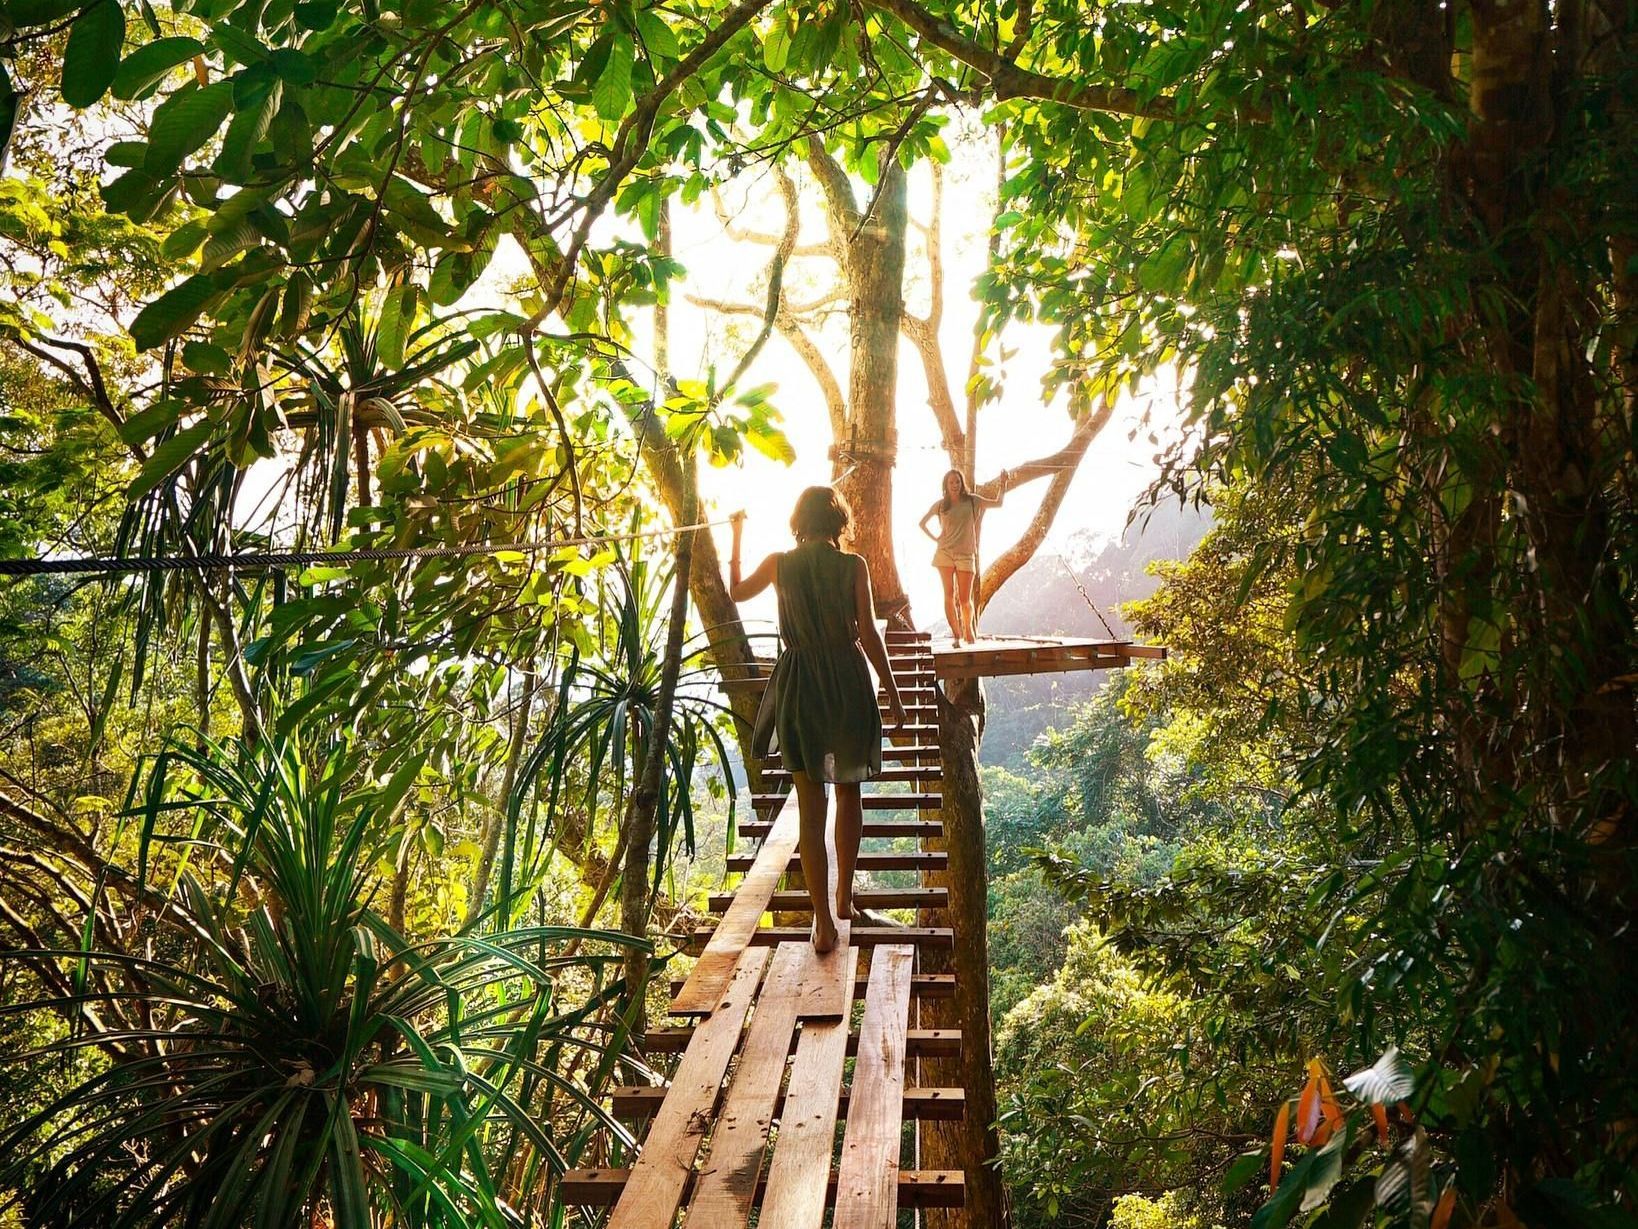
(964, 605)
(849, 828)
(952, 611)
(810, 811)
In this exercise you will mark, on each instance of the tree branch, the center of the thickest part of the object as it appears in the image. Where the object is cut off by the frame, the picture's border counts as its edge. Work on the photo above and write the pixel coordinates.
(791, 330)
(776, 277)
(1062, 466)
(1008, 81)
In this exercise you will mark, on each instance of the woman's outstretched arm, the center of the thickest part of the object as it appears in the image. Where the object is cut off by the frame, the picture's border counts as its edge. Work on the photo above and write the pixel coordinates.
(870, 639)
(986, 500)
(741, 590)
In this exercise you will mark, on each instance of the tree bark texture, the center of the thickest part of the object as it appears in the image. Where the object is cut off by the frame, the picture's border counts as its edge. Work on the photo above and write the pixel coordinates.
(972, 1144)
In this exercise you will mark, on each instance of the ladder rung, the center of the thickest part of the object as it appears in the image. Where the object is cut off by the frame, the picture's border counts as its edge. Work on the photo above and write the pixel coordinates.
(872, 802)
(918, 1188)
(922, 829)
(922, 985)
(860, 936)
(927, 1104)
(865, 898)
(914, 860)
(918, 1042)
(928, 773)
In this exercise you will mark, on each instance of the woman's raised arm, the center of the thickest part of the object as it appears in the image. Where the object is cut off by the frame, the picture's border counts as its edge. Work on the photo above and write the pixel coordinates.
(766, 572)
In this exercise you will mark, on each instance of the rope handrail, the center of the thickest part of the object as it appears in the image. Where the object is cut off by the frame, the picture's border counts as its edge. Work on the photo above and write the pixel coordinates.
(253, 560)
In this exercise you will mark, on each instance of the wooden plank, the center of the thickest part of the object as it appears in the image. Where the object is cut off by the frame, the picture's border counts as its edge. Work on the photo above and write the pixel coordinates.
(922, 829)
(922, 985)
(916, 753)
(706, 983)
(871, 802)
(865, 898)
(937, 937)
(637, 1102)
(654, 1188)
(921, 1042)
(918, 1188)
(807, 1128)
(914, 860)
(928, 775)
(867, 1183)
(727, 1183)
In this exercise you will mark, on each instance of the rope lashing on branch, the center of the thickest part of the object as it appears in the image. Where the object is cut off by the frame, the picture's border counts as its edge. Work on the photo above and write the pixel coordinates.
(251, 561)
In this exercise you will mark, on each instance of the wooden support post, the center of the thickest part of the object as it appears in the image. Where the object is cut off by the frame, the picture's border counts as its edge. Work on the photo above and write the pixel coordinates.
(972, 1144)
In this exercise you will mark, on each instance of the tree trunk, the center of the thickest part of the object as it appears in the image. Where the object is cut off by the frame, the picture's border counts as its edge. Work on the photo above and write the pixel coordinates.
(864, 460)
(645, 800)
(500, 815)
(972, 1144)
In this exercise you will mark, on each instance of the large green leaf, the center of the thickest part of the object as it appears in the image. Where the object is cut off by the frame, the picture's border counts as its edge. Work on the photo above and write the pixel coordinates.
(173, 312)
(171, 456)
(612, 93)
(91, 58)
(146, 67)
(183, 123)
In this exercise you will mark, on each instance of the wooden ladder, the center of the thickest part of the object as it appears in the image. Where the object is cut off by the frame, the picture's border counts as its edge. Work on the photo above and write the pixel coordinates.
(749, 1121)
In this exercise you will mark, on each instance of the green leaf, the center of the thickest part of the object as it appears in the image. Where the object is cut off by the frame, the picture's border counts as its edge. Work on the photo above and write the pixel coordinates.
(91, 58)
(184, 241)
(397, 317)
(173, 312)
(1388, 1080)
(169, 457)
(612, 93)
(206, 358)
(25, 13)
(776, 46)
(147, 66)
(656, 35)
(183, 123)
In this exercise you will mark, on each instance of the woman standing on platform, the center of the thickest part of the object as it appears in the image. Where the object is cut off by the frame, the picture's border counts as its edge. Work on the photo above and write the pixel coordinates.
(956, 558)
(819, 711)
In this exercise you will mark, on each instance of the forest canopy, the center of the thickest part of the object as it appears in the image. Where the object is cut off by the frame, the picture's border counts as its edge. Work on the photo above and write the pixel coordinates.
(337, 892)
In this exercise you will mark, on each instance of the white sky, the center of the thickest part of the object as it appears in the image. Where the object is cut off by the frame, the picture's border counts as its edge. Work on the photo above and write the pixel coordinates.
(1016, 428)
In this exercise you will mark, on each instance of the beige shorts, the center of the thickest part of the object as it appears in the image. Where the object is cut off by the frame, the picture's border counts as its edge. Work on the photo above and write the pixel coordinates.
(961, 563)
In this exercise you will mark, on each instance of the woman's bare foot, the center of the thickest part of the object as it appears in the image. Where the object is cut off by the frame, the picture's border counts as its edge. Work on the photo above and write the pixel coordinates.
(847, 909)
(824, 935)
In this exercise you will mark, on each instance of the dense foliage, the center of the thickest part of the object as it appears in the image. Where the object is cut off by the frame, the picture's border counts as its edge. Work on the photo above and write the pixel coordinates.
(338, 273)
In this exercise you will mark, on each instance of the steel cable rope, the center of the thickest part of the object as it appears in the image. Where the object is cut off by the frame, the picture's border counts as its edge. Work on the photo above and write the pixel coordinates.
(134, 564)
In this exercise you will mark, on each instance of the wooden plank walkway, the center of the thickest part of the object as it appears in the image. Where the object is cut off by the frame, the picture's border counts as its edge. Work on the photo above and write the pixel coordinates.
(748, 1126)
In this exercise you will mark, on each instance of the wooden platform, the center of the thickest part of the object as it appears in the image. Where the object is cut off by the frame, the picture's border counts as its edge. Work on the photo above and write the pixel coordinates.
(760, 1118)
(996, 656)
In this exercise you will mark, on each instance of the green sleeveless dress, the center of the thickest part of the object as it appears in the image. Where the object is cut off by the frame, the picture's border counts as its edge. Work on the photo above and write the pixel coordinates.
(819, 711)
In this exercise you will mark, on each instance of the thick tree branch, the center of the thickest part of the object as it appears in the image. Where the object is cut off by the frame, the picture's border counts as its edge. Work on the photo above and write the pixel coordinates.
(1007, 80)
(791, 330)
(840, 202)
(776, 277)
(1062, 466)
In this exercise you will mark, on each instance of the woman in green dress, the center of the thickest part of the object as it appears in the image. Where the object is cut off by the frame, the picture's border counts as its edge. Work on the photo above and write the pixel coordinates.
(819, 711)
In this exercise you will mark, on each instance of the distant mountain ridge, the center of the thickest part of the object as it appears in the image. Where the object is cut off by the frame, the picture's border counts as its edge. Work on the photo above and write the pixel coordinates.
(1042, 600)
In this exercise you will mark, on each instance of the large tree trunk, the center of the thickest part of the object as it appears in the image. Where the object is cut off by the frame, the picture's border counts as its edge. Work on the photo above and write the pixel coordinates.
(874, 244)
(972, 1144)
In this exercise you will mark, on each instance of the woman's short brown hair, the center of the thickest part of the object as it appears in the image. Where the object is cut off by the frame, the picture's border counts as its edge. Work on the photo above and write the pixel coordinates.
(821, 512)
